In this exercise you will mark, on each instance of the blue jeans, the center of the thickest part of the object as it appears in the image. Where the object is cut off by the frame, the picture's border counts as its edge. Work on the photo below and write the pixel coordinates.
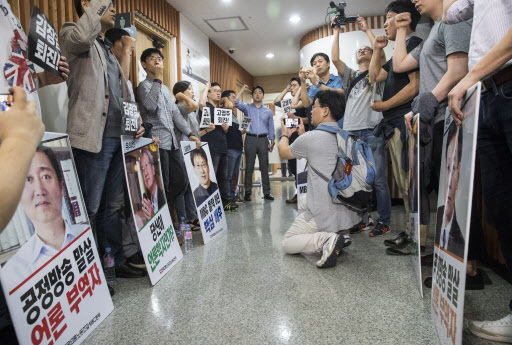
(234, 157)
(495, 152)
(377, 145)
(101, 177)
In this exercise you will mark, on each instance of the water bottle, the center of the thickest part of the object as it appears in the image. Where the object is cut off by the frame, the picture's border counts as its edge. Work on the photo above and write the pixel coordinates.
(180, 230)
(109, 268)
(188, 239)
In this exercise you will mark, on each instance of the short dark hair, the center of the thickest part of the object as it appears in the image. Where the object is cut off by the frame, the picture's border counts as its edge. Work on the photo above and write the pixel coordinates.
(402, 6)
(215, 84)
(295, 79)
(198, 152)
(180, 86)
(115, 34)
(54, 162)
(452, 133)
(333, 100)
(226, 93)
(80, 11)
(326, 58)
(148, 52)
(257, 87)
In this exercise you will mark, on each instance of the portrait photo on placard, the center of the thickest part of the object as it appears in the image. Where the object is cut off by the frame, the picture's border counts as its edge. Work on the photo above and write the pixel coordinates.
(451, 234)
(145, 183)
(202, 181)
(53, 212)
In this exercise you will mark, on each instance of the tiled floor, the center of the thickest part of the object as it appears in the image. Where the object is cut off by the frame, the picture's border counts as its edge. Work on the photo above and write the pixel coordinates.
(242, 289)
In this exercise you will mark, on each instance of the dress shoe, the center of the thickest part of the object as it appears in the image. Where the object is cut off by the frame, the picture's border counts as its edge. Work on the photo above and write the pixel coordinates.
(247, 197)
(269, 197)
(136, 260)
(127, 271)
(292, 200)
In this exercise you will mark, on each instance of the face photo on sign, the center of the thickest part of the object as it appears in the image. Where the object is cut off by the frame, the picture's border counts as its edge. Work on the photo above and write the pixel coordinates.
(53, 212)
(145, 183)
(202, 178)
(450, 236)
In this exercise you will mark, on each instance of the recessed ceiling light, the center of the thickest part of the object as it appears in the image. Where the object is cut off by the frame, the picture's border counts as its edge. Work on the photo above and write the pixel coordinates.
(294, 19)
(270, 56)
(226, 1)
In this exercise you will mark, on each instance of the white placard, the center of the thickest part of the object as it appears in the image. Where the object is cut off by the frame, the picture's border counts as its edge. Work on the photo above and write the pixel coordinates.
(286, 104)
(56, 293)
(245, 124)
(302, 179)
(414, 201)
(221, 116)
(205, 118)
(206, 193)
(156, 234)
(453, 221)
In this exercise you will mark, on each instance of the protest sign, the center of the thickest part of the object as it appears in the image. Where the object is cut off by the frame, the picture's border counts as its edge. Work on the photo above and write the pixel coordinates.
(302, 180)
(246, 123)
(130, 117)
(453, 220)
(54, 285)
(414, 199)
(153, 221)
(286, 104)
(205, 118)
(223, 116)
(203, 182)
(43, 42)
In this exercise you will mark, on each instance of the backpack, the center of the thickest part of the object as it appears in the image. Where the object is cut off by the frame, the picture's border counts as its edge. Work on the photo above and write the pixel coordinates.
(351, 183)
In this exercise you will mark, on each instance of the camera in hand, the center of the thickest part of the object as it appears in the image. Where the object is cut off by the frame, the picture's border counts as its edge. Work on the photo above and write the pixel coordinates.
(291, 123)
(6, 102)
(339, 10)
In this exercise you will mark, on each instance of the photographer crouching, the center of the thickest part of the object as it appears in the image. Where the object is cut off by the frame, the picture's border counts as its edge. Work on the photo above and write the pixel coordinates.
(316, 229)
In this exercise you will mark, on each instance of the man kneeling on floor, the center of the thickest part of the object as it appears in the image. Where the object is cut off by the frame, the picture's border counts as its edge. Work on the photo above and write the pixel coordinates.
(316, 229)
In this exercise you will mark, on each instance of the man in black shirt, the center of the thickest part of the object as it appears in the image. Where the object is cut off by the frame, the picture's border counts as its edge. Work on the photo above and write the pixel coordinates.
(399, 91)
(299, 113)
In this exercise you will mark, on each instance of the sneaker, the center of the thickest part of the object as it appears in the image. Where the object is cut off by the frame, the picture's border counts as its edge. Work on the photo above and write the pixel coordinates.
(230, 206)
(358, 228)
(404, 248)
(238, 200)
(332, 247)
(379, 230)
(136, 260)
(396, 241)
(269, 197)
(500, 330)
(347, 241)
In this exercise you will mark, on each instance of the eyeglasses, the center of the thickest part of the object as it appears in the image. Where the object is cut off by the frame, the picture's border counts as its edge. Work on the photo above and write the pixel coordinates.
(156, 59)
(200, 166)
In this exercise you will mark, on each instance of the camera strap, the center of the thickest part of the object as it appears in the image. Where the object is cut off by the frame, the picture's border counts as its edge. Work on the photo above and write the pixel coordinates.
(355, 81)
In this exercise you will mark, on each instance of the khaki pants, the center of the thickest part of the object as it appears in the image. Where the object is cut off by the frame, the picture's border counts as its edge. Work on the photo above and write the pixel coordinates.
(304, 237)
(401, 177)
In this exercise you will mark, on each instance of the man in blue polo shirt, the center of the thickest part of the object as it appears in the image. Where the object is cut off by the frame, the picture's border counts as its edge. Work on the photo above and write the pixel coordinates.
(321, 79)
(257, 139)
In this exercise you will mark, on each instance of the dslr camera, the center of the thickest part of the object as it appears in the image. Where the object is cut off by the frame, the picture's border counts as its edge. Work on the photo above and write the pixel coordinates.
(340, 18)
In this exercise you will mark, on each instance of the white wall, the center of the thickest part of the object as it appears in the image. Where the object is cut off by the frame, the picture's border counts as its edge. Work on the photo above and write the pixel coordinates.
(194, 37)
(349, 43)
(54, 107)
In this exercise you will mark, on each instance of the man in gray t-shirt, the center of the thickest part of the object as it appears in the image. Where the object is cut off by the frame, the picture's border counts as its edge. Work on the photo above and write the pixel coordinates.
(315, 230)
(443, 62)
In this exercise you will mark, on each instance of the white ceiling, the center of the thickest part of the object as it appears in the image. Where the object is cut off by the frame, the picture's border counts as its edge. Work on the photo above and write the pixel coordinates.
(269, 27)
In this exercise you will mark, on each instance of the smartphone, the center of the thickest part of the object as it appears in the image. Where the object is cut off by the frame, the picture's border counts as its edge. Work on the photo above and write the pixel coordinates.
(291, 123)
(6, 101)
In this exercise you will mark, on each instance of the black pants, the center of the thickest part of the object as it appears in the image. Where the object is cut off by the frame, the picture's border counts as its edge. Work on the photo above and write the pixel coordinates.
(172, 173)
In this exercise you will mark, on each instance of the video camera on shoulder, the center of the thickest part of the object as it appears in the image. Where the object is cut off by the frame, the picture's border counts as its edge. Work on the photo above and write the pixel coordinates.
(339, 10)
(291, 123)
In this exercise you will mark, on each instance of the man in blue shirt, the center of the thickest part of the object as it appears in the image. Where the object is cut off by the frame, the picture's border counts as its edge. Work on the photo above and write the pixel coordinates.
(256, 141)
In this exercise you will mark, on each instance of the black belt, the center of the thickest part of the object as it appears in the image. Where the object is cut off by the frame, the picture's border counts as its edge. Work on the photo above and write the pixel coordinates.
(497, 79)
(256, 135)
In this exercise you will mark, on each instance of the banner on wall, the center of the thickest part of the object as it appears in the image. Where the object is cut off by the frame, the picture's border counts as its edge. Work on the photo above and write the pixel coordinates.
(54, 285)
(203, 182)
(43, 42)
(195, 65)
(152, 218)
(302, 180)
(453, 220)
(414, 199)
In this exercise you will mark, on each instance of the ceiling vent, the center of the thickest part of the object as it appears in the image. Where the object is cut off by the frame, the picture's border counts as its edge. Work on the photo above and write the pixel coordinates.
(227, 24)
